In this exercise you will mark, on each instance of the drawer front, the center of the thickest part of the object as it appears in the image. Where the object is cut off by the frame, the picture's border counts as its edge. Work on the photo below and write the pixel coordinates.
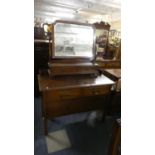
(93, 91)
(73, 93)
(59, 108)
(62, 94)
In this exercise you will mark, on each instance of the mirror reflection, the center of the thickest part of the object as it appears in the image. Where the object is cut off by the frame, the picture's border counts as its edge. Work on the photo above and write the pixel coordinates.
(114, 45)
(101, 40)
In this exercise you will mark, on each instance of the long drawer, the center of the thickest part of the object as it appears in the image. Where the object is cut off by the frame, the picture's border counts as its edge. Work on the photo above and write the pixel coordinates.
(73, 93)
(59, 108)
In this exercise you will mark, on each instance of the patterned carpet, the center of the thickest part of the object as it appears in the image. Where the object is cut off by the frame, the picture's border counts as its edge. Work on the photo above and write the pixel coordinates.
(71, 135)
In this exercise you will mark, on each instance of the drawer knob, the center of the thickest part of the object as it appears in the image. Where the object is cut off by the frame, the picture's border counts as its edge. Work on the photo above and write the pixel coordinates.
(96, 92)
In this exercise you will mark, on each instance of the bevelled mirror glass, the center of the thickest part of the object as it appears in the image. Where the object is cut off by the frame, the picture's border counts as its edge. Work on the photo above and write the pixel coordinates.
(73, 40)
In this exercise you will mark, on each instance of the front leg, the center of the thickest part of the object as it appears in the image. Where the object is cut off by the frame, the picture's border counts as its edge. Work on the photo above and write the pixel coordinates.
(45, 126)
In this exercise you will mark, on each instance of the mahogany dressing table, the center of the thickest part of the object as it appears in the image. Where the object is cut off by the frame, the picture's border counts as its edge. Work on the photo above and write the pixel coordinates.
(72, 83)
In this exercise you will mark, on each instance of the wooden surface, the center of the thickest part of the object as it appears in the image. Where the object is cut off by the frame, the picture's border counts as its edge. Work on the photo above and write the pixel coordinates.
(72, 94)
(114, 74)
(108, 64)
(56, 69)
(46, 83)
(41, 57)
(102, 25)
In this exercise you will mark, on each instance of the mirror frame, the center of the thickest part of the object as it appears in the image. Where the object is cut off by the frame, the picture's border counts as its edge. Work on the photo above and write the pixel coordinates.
(72, 57)
(105, 27)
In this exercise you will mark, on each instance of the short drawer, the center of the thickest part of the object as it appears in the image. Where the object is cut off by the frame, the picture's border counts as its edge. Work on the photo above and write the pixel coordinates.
(93, 91)
(62, 94)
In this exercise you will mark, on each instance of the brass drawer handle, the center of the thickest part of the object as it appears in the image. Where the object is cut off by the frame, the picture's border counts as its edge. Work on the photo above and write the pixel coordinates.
(96, 92)
(66, 96)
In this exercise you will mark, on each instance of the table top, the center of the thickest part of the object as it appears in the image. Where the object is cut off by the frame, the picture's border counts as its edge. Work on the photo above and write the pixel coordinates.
(46, 83)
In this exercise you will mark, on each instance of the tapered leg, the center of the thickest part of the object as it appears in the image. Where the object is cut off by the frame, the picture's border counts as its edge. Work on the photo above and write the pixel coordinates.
(45, 127)
(115, 142)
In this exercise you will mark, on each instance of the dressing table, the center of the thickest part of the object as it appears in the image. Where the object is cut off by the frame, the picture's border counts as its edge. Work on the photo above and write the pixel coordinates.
(72, 84)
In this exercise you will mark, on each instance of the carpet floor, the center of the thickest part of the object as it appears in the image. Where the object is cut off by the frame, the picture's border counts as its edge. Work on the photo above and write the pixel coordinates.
(72, 134)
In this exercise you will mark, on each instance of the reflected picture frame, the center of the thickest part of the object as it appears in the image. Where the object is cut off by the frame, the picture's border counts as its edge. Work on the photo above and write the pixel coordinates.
(102, 35)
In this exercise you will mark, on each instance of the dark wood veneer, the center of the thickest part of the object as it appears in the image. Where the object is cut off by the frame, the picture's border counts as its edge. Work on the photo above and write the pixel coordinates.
(67, 95)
